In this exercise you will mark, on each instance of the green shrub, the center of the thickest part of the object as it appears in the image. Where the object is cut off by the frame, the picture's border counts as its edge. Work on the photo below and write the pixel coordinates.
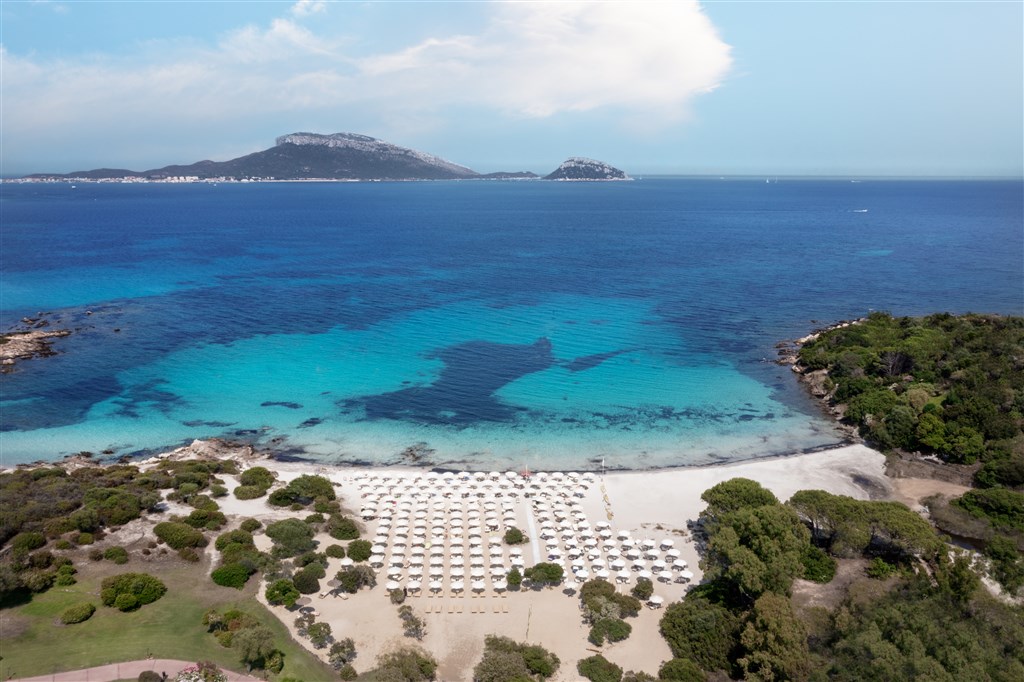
(880, 569)
(141, 587)
(514, 578)
(83, 538)
(119, 555)
(342, 527)
(681, 670)
(218, 491)
(188, 554)
(63, 544)
(126, 602)
(205, 518)
(179, 535)
(291, 537)
(259, 477)
(251, 525)
(231, 575)
(818, 565)
(306, 581)
(282, 592)
(359, 550)
(150, 676)
(599, 669)
(514, 536)
(614, 629)
(335, 551)
(643, 589)
(77, 613)
(28, 541)
(233, 536)
(249, 492)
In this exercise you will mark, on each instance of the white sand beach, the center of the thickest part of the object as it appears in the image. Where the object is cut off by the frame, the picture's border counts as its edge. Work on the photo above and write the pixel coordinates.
(445, 529)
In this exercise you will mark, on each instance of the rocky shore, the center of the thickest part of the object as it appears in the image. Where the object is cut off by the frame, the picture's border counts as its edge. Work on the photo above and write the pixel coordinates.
(22, 345)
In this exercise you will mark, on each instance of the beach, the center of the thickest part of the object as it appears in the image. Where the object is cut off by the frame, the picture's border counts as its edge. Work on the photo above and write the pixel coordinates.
(645, 511)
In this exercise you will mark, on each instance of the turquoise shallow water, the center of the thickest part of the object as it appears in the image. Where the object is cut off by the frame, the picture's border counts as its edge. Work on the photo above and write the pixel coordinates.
(497, 324)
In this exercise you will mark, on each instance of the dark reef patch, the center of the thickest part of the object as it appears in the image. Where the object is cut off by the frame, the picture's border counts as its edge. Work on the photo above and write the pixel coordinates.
(464, 393)
(281, 403)
(591, 361)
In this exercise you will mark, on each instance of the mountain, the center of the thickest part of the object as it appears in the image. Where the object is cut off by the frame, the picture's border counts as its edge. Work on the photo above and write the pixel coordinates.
(341, 156)
(300, 156)
(579, 168)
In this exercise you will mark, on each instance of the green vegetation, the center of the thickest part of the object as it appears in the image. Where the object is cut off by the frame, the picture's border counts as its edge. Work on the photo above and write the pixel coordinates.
(303, 490)
(612, 629)
(545, 573)
(77, 613)
(179, 535)
(412, 625)
(643, 589)
(282, 592)
(355, 577)
(953, 386)
(600, 601)
(291, 537)
(342, 527)
(129, 591)
(359, 550)
(119, 555)
(514, 536)
(505, 660)
(407, 664)
(599, 669)
(1003, 508)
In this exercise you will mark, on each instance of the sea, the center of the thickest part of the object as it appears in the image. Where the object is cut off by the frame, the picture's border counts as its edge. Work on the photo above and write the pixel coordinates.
(471, 324)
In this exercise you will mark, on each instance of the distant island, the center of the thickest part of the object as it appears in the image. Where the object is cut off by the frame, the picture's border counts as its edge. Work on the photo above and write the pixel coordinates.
(340, 156)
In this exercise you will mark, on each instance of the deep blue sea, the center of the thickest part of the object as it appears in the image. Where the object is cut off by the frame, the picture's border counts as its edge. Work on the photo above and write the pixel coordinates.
(498, 324)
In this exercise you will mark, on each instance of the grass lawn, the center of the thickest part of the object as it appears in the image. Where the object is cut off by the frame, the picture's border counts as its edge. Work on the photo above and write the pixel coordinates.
(35, 642)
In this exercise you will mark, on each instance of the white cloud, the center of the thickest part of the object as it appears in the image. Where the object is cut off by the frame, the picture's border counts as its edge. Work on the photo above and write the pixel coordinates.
(304, 8)
(643, 61)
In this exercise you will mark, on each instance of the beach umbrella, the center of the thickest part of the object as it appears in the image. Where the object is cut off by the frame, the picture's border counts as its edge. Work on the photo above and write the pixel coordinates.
(436, 570)
(658, 565)
(478, 585)
(649, 543)
(673, 553)
(395, 573)
(416, 571)
(552, 543)
(379, 548)
(633, 554)
(346, 562)
(667, 544)
(679, 564)
(603, 574)
(457, 560)
(686, 575)
(518, 562)
(645, 574)
(436, 585)
(583, 574)
(665, 576)
(618, 564)
(623, 576)
(500, 585)
(457, 572)
(598, 565)
(377, 560)
(477, 573)
(392, 585)
(623, 535)
(656, 601)
(458, 586)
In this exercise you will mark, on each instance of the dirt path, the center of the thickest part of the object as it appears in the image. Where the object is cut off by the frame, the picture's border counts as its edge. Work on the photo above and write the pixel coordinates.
(128, 670)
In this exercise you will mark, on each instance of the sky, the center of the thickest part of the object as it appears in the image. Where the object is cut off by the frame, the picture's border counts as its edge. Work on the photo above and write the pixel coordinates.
(923, 88)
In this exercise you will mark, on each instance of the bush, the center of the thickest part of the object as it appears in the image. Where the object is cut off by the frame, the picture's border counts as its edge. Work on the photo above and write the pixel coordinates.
(514, 536)
(141, 587)
(342, 527)
(179, 535)
(260, 477)
(96, 554)
(234, 536)
(205, 518)
(126, 602)
(306, 580)
(359, 550)
(335, 551)
(119, 555)
(354, 577)
(599, 669)
(251, 525)
(681, 669)
(188, 554)
(28, 541)
(880, 569)
(282, 592)
(231, 575)
(83, 538)
(643, 589)
(150, 676)
(514, 578)
(291, 537)
(77, 613)
(545, 572)
(701, 631)
(818, 565)
(614, 629)
(249, 492)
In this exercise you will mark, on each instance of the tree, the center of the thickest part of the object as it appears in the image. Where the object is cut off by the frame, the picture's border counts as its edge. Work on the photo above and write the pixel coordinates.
(774, 642)
(406, 664)
(545, 572)
(756, 550)
(253, 645)
(319, 634)
(291, 537)
(342, 527)
(514, 536)
(413, 626)
(231, 575)
(701, 631)
(681, 670)
(282, 592)
(614, 629)
(505, 660)
(733, 495)
(643, 589)
(355, 577)
(359, 550)
(599, 669)
(306, 580)
(342, 652)
(514, 578)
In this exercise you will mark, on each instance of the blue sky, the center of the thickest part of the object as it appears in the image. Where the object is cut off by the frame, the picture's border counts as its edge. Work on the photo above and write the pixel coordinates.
(843, 88)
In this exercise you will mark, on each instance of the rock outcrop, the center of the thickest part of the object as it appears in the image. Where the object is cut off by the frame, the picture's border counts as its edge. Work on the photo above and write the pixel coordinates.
(579, 168)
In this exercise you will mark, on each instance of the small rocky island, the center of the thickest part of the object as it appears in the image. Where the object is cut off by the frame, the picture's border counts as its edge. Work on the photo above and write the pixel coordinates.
(16, 346)
(579, 168)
